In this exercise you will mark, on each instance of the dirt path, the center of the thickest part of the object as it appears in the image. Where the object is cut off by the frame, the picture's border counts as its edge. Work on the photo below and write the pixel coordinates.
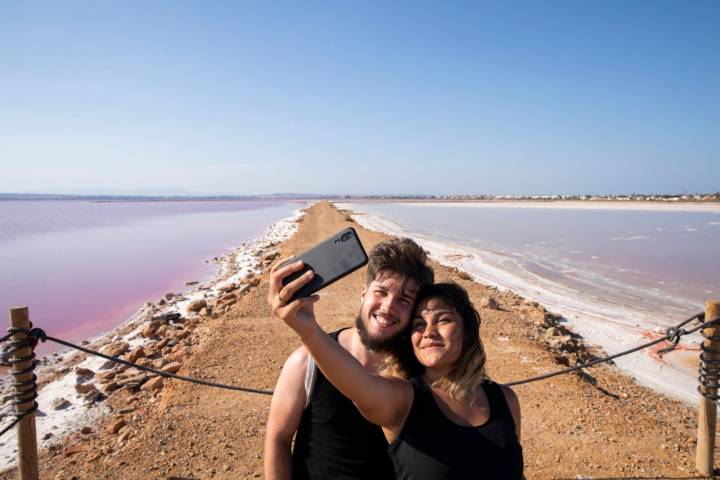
(602, 426)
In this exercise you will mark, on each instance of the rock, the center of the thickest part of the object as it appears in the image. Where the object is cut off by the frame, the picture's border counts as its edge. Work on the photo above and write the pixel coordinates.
(159, 363)
(124, 436)
(270, 256)
(203, 312)
(60, 404)
(126, 410)
(136, 354)
(171, 367)
(162, 302)
(153, 384)
(84, 388)
(73, 449)
(254, 282)
(116, 348)
(133, 381)
(169, 296)
(552, 332)
(110, 386)
(115, 426)
(107, 365)
(191, 283)
(464, 276)
(161, 344)
(84, 374)
(95, 396)
(490, 303)
(143, 362)
(162, 330)
(167, 317)
(181, 333)
(196, 305)
(150, 330)
(86, 430)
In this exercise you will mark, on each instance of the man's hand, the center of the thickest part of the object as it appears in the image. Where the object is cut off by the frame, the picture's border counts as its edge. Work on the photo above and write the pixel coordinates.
(297, 314)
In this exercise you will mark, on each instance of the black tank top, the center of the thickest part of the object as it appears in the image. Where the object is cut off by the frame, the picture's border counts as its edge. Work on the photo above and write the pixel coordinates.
(335, 442)
(432, 447)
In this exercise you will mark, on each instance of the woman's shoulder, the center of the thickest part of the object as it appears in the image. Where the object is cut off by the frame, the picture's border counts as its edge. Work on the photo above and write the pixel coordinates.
(496, 389)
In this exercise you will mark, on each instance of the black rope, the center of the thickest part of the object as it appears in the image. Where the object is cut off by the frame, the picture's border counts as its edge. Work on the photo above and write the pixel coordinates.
(39, 334)
(709, 369)
(674, 333)
(25, 390)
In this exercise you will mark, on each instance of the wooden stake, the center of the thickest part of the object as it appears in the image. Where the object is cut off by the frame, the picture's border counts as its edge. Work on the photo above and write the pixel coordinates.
(707, 413)
(26, 435)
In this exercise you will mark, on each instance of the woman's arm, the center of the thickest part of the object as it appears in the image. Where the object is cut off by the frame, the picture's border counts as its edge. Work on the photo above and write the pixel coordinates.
(382, 401)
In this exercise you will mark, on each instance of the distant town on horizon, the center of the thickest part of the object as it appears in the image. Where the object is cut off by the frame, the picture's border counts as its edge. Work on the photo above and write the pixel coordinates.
(683, 197)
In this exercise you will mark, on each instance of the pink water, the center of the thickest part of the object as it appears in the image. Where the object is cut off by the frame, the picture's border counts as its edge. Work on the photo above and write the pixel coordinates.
(84, 267)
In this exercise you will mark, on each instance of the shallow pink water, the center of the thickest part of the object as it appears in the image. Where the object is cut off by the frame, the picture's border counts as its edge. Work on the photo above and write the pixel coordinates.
(84, 267)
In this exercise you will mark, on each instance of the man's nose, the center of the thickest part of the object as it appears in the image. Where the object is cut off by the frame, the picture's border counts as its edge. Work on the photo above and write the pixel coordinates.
(391, 302)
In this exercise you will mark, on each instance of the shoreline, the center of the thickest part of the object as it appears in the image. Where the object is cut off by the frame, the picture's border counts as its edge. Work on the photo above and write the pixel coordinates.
(600, 323)
(57, 371)
(680, 206)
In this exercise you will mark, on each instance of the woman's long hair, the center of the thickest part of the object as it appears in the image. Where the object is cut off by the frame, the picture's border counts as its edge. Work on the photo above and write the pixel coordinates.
(468, 372)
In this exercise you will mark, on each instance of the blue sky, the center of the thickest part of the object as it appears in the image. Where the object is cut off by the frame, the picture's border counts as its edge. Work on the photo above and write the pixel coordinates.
(360, 97)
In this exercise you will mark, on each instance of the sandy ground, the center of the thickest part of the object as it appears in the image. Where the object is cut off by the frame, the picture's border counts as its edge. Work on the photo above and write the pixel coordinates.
(596, 425)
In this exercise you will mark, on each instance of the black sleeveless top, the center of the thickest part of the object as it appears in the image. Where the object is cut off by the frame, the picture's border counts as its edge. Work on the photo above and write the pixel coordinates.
(432, 447)
(334, 441)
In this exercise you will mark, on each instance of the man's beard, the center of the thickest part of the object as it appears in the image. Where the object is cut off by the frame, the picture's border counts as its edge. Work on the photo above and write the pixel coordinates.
(387, 344)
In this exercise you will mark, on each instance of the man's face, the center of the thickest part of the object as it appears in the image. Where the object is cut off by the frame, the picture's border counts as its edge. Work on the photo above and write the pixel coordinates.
(387, 305)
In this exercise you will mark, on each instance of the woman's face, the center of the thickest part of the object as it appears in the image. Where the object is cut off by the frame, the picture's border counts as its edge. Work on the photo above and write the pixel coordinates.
(437, 334)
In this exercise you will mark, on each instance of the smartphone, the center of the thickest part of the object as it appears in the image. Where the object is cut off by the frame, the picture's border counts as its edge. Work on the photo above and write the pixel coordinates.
(331, 260)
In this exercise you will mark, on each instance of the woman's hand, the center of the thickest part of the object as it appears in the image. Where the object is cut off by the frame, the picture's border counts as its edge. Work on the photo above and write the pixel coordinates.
(298, 314)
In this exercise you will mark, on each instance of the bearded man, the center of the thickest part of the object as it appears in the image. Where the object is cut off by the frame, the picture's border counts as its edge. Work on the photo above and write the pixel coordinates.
(332, 439)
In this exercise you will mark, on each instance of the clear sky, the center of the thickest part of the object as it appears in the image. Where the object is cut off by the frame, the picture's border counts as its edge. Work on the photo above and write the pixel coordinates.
(244, 97)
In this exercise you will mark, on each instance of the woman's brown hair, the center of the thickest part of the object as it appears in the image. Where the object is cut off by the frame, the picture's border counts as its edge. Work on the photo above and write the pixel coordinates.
(468, 372)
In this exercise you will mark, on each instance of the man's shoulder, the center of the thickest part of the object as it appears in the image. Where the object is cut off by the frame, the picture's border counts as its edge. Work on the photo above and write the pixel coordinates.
(297, 360)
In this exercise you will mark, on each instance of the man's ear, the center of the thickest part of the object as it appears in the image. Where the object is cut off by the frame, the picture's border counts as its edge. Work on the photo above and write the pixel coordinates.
(362, 293)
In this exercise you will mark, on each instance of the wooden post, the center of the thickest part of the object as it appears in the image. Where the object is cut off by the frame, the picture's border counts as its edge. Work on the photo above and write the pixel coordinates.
(707, 414)
(26, 435)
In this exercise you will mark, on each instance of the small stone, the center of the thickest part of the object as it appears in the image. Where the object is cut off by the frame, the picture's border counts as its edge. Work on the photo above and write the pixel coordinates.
(153, 384)
(60, 404)
(489, 303)
(84, 388)
(552, 332)
(136, 354)
(73, 449)
(196, 305)
(105, 376)
(116, 425)
(86, 430)
(116, 348)
(171, 367)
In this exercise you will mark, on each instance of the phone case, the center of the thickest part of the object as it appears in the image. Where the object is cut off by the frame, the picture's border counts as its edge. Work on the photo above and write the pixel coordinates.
(331, 260)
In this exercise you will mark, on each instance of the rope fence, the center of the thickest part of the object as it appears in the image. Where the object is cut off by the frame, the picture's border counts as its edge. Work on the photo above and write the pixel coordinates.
(19, 344)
